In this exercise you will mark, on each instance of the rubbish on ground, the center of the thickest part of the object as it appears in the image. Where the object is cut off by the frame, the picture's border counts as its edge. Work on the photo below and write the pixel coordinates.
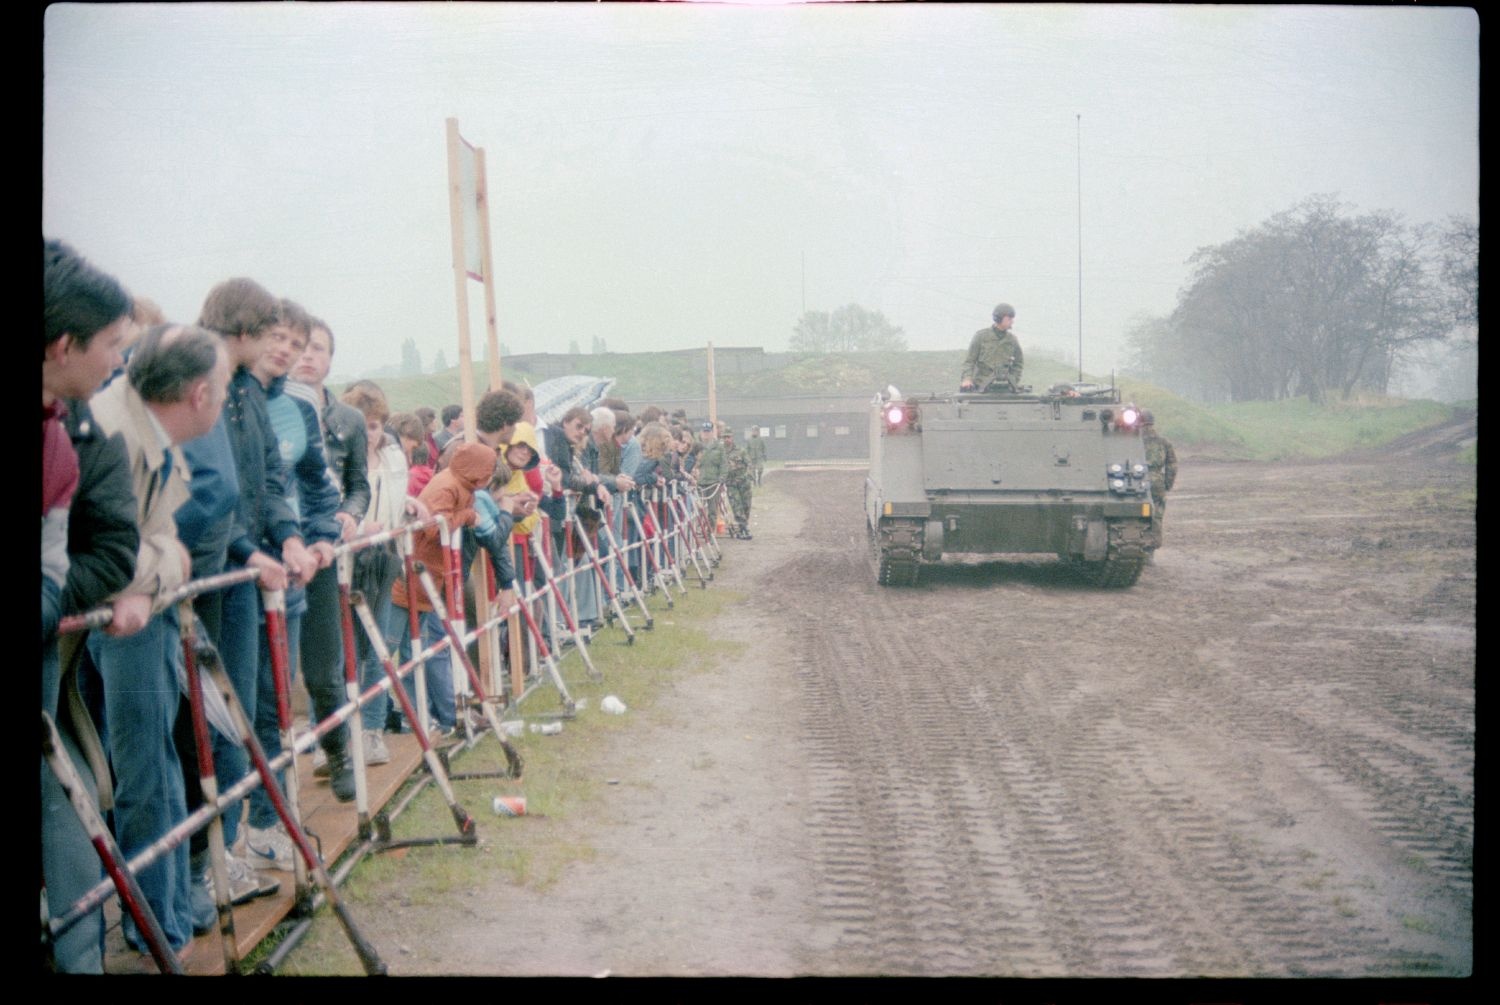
(612, 705)
(510, 806)
(546, 728)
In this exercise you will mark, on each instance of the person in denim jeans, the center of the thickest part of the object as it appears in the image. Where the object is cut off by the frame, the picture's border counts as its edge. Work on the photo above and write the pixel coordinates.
(449, 494)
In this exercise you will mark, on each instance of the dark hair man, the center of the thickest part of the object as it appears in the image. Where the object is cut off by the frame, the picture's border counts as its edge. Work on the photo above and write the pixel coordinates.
(345, 438)
(429, 422)
(453, 426)
(299, 446)
(495, 418)
(262, 526)
(994, 358)
(89, 542)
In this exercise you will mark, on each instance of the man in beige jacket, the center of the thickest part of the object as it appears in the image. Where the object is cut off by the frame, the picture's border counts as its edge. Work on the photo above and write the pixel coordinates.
(173, 392)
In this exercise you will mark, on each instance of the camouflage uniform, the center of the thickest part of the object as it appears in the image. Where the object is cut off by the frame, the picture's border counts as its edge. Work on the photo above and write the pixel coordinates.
(993, 356)
(737, 478)
(711, 465)
(1162, 460)
(756, 451)
(710, 472)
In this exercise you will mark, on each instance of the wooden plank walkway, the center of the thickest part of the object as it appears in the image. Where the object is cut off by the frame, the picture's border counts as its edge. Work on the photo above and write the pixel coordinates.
(335, 823)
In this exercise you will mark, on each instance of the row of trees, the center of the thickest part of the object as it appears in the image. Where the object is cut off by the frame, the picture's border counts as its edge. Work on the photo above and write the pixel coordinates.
(596, 347)
(1316, 301)
(411, 358)
(850, 328)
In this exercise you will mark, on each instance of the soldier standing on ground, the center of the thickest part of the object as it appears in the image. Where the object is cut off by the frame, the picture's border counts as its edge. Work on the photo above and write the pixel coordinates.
(710, 467)
(756, 451)
(1162, 460)
(994, 359)
(737, 479)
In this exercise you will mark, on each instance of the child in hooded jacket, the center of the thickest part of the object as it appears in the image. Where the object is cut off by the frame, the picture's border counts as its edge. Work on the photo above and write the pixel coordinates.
(450, 494)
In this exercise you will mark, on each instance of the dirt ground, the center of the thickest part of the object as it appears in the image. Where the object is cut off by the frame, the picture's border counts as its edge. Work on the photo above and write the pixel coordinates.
(1258, 762)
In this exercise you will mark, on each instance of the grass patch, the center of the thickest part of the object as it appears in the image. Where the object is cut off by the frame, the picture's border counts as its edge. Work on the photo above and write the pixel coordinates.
(1416, 862)
(563, 776)
(1414, 923)
(1296, 428)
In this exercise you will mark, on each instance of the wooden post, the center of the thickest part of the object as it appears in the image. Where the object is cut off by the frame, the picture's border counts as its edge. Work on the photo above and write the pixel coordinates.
(489, 645)
(491, 329)
(460, 275)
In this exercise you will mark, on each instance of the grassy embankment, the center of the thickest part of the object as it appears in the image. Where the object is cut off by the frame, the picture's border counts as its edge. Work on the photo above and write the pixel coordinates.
(1279, 430)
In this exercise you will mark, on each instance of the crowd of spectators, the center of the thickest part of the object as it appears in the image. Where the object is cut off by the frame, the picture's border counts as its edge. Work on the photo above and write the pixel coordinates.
(172, 451)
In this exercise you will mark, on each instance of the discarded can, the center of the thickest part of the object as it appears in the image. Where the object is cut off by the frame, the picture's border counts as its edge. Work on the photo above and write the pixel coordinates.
(546, 728)
(510, 806)
(513, 727)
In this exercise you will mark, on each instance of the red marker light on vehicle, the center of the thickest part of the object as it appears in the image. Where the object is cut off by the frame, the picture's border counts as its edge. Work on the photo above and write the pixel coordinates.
(1129, 417)
(894, 416)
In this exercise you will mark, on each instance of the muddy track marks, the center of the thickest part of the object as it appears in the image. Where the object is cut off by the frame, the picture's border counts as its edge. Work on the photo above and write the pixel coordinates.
(1257, 762)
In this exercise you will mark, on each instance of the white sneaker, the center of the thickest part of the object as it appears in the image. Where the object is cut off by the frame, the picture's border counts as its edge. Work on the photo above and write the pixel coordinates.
(245, 884)
(270, 848)
(320, 763)
(376, 751)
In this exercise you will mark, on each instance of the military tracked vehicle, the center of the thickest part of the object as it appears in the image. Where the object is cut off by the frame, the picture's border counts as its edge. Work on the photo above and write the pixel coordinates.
(1009, 472)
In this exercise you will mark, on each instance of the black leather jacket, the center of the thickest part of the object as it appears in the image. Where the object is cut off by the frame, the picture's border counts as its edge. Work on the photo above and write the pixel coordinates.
(102, 534)
(345, 443)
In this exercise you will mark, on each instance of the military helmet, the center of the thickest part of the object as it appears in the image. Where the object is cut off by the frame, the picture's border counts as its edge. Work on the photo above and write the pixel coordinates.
(1003, 311)
(1147, 419)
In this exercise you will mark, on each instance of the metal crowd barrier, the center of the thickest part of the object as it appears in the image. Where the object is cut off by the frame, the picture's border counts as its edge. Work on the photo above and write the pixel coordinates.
(661, 530)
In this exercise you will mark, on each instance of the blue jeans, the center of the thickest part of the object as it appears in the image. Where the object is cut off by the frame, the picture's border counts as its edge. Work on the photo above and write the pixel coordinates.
(583, 594)
(439, 673)
(371, 672)
(440, 703)
(140, 708)
(240, 653)
(70, 866)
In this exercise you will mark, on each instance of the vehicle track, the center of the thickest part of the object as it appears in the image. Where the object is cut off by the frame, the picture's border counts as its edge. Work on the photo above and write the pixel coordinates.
(1257, 762)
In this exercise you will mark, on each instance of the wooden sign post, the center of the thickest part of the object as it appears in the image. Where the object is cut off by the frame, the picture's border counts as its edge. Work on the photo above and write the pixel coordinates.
(468, 207)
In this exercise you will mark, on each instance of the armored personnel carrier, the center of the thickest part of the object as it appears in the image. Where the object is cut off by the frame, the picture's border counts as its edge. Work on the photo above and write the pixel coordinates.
(1009, 472)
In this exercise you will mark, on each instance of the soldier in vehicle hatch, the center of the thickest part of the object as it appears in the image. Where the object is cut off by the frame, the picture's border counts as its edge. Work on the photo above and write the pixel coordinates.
(994, 360)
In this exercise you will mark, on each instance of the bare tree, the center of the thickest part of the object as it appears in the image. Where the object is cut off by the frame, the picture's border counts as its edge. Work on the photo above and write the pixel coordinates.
(1314, 301)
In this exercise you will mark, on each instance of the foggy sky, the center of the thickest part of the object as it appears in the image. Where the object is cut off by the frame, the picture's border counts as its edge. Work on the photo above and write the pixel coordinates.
(659, 174)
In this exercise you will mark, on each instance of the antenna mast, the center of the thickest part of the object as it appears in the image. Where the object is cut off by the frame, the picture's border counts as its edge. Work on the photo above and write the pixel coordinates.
(1079, 116)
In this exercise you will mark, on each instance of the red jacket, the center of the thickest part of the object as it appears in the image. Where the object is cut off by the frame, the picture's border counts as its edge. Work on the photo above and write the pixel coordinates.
(449, 494)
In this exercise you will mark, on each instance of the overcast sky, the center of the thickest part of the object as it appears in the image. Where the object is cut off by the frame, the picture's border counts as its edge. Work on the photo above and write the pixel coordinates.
(669, 174)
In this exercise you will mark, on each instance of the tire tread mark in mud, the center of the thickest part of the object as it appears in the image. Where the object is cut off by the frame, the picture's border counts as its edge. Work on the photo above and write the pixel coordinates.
(982, 806)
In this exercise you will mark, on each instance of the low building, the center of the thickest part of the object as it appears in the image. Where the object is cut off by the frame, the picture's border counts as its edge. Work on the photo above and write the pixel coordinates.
(803, 427)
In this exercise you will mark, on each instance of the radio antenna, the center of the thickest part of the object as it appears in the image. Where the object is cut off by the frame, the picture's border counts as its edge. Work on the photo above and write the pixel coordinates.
(1079, 149)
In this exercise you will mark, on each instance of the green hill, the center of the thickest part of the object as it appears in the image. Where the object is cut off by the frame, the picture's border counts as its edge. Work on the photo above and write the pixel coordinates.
(1249, 431)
